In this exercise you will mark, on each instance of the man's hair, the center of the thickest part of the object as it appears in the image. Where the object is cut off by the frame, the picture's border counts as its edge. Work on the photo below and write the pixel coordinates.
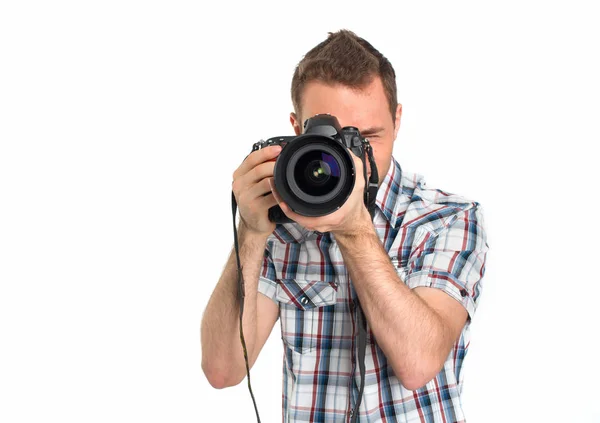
(344, 58)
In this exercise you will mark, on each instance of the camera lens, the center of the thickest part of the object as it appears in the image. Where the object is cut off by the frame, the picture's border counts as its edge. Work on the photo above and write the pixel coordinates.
(314, 174)
(317, 173)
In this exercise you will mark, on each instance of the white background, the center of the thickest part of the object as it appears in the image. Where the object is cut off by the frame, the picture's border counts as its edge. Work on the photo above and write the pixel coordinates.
(121, 123)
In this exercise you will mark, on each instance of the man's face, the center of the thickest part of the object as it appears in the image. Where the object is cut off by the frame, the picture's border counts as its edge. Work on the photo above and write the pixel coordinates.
(367, 109)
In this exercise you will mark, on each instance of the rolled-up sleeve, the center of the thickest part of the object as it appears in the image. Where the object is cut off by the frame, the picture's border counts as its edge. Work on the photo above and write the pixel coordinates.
(267, 276)
(453, 259)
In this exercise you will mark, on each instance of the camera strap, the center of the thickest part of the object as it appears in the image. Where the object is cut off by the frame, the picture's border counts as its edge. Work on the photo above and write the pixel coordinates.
(241, 295)
(373, 182)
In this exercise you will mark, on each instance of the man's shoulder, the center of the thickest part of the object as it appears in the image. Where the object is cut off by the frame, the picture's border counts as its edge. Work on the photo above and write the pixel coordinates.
(432, 205)
(417, 187)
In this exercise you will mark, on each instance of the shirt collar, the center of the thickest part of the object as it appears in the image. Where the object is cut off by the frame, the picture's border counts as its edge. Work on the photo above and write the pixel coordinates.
(389, 192)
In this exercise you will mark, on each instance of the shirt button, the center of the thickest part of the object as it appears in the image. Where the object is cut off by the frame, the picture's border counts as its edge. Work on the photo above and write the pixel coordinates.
(304, 300)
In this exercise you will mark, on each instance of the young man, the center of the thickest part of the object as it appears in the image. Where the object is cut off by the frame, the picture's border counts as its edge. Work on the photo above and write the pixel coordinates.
(416, 268)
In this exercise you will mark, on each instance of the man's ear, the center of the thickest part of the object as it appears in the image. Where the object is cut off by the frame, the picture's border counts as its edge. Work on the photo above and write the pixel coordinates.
(296, 123)
(397, 121)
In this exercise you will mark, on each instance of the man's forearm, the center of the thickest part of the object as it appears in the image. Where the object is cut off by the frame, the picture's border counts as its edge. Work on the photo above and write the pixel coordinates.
(222, 354)
(408, 331)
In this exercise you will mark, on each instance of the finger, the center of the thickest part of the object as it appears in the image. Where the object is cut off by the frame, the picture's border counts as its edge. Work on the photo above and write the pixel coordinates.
(259, 172)
(284, 207)
(268, 201)
(259, 189)
(292, 215)
(273, 190)
(255, 158)
(360, 171)
(358, 163)
(254, 176)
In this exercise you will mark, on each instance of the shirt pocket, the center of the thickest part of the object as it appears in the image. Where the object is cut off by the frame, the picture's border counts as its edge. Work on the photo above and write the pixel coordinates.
(306, 313)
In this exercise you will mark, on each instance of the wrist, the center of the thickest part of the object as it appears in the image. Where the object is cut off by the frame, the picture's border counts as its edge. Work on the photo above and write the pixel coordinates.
(250, 235)
(358, 227)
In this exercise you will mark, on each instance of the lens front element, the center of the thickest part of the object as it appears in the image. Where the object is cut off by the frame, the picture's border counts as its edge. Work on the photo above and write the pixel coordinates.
(317, 173)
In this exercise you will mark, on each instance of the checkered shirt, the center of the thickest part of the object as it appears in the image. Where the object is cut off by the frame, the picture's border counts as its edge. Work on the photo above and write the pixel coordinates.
(434, 239)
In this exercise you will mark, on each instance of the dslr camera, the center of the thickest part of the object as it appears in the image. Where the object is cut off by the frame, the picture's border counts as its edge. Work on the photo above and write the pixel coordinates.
(314, 172)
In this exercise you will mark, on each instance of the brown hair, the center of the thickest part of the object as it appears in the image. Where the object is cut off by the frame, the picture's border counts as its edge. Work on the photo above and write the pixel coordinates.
(347, 59)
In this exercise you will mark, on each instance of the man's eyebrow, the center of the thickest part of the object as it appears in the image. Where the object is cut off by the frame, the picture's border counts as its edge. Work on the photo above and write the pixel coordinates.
(372, 130)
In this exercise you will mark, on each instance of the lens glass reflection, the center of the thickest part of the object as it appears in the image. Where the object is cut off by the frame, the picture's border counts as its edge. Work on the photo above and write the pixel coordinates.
(317, 173)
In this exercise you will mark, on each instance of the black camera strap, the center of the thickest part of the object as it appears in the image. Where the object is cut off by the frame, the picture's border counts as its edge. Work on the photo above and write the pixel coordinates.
(373, 182)
(241, 296)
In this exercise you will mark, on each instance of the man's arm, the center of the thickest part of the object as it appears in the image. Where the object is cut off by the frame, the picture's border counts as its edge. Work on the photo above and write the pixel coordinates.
(414, 328)
(222, 354)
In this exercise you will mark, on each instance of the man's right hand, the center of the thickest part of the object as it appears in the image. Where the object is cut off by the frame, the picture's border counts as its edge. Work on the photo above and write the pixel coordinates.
(250, 184)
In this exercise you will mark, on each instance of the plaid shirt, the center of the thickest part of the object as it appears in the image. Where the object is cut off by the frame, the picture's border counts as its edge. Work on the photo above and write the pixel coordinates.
(433, 238)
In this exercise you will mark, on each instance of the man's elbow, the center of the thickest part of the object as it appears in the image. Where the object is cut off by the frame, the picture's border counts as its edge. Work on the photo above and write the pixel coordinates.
(418, 376)
(414, 383)
(219, 378)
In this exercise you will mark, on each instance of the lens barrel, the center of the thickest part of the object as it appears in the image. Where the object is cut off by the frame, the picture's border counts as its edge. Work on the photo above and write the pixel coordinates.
(314, 175)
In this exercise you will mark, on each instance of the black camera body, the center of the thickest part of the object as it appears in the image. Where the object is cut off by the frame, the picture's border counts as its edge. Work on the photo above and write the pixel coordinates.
(314, 172)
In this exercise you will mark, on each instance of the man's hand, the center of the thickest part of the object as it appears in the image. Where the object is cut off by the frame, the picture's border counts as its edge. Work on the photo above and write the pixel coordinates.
(250, 184)
(352, 216)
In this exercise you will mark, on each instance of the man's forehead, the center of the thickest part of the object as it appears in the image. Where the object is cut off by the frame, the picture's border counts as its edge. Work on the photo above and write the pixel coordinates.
(365, 109)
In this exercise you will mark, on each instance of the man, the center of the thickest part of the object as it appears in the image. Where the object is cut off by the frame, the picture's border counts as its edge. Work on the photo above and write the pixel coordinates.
(416, 268)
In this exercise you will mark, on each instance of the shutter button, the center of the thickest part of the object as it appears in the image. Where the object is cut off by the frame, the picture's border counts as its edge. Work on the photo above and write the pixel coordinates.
(304, 300)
